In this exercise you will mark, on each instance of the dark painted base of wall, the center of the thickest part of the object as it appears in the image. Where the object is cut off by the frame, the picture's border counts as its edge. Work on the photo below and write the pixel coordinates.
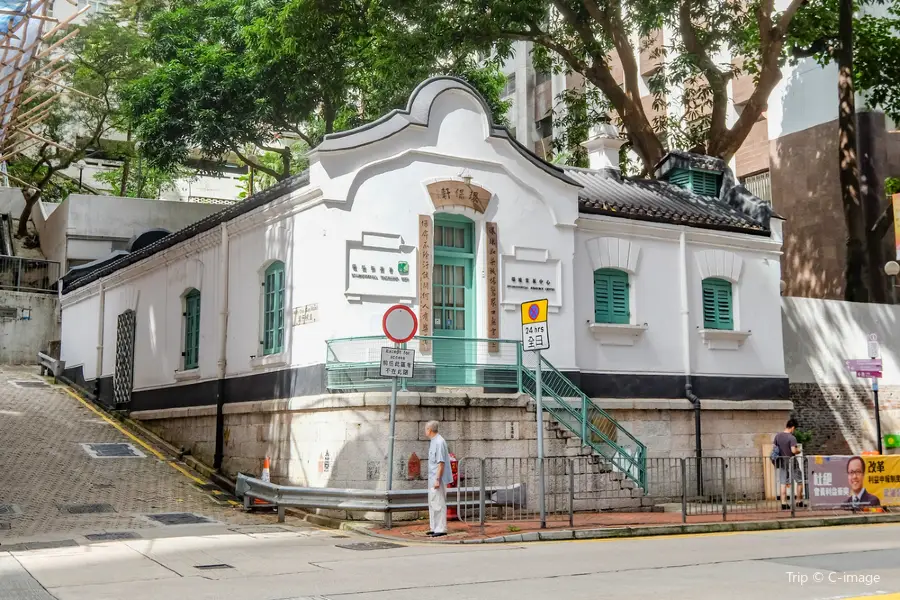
(613, 385)
(308, 381)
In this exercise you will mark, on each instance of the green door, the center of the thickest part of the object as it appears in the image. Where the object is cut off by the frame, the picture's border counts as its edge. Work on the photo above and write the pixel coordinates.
(453, 298)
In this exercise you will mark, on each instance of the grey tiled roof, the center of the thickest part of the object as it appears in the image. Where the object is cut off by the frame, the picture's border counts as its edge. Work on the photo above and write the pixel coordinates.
(606, 193)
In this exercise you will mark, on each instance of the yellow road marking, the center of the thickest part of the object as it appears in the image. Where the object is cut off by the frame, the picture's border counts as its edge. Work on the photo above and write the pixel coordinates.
(881, 596)
(139, 441)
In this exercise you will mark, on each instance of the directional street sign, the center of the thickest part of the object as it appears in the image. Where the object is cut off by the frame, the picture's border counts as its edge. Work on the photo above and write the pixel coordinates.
(535, 333)
(864, 364)
(869, 374)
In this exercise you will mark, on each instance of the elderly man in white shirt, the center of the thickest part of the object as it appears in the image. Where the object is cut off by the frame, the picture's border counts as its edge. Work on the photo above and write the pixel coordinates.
(439, 475)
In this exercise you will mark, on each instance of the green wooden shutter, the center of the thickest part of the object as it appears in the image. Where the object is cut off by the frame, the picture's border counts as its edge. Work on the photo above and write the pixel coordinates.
(717, 304)
(192, 330)
(611, 297)
(273, 309)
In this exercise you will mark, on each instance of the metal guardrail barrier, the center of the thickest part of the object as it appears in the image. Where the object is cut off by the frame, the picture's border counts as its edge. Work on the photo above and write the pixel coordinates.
(51, 366)
(28, 274)
(382, 501)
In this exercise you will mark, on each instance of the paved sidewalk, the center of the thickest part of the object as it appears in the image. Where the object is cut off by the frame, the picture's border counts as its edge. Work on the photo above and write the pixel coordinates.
(50, 485)
(614, 524)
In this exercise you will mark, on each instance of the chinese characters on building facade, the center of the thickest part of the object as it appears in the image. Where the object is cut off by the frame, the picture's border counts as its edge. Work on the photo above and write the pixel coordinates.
(458, 193)
(426, 252)
(493, 287)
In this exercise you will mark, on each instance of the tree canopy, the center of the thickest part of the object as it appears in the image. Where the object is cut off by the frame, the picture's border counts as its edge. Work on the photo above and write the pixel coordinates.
(233, 76)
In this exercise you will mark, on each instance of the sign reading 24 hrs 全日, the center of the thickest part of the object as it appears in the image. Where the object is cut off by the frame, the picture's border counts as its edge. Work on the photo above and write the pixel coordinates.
(535, 333)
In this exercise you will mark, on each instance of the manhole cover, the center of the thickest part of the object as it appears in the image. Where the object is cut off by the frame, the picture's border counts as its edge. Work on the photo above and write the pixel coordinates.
(10, 510)
(37, 546)
(113, 450)
(179, 518)
(371, 546)
(29, 384)
(84, 509)
(213, 567)
(112, 536)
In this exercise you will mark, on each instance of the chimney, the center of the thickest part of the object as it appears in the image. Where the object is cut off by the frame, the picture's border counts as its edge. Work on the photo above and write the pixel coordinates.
(603, 147)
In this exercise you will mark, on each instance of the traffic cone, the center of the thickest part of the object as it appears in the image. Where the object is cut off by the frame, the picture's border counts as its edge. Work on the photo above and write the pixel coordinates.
(265, 471)
(264, 477)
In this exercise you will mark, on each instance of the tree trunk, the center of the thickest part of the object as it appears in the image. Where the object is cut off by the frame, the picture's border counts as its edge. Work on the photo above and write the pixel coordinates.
(123, 188)
(30, 201)
(871, 193)
(855, 289)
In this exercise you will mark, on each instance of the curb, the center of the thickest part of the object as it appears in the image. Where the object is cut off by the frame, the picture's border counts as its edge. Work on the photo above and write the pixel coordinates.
(648, 531)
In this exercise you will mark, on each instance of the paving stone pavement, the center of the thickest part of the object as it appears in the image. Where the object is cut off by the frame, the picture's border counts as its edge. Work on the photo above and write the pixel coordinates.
(44, 468)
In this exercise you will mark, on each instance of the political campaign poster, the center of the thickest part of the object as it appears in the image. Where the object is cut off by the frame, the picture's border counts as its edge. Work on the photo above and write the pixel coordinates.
(856, 483)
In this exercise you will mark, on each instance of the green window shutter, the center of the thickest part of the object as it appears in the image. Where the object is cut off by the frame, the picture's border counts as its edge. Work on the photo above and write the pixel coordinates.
(273, 309)
(717, 304)
(705, 184)
(611, 297)
(192, 330)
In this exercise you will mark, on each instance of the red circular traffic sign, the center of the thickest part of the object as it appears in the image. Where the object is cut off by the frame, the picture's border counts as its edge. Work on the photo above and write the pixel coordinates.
(399, 324)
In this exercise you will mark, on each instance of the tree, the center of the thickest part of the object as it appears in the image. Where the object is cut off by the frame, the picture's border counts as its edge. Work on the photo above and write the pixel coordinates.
(143, 181)
(231, 76)
(580, 37)
(101, 59)
(867, 52)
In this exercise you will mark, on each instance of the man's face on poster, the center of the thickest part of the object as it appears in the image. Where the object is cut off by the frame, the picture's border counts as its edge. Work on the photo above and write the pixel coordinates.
(856, 472)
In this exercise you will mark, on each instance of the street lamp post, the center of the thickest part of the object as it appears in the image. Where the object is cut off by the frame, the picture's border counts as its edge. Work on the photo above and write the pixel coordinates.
(892, 268)
(80, 164)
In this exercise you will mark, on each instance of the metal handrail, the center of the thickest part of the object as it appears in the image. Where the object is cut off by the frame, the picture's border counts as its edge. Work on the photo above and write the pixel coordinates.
(50, 365)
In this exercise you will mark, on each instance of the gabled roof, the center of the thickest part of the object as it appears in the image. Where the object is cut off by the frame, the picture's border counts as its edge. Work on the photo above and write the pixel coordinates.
(606, 193)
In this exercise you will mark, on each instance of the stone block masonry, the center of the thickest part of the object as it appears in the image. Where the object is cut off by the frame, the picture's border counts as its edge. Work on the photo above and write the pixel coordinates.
(341, 440)
(841, 418)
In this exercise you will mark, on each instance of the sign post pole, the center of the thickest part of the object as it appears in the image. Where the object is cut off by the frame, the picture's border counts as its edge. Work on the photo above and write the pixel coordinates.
(539, 409)
(536, 337)
(391, 438)
(874, 351)
(399, 325)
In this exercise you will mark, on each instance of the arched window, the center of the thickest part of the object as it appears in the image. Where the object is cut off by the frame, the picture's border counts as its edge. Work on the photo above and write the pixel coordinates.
(273, 309)
(612, 302)
(191, 352)
(718, 306)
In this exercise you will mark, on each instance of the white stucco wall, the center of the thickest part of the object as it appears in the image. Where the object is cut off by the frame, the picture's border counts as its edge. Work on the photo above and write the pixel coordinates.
(83, 227)
(819, 335)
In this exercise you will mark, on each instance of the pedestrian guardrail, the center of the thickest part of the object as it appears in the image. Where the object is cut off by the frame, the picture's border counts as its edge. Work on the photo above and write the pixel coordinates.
(51, 366)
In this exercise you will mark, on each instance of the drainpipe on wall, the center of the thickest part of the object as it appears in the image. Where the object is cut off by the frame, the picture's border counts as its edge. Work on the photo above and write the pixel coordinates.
(686, 351)
(100, 324)
(223, 344)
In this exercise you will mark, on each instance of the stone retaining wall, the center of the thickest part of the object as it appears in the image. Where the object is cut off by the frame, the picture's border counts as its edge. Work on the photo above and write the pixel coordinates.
(341, 440)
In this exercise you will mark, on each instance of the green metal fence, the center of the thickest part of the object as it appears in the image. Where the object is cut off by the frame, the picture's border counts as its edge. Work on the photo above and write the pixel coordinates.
(353, 364)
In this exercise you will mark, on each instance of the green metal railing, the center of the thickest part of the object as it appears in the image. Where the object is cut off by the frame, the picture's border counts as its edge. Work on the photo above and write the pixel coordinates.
(596, 428)
(353, 364)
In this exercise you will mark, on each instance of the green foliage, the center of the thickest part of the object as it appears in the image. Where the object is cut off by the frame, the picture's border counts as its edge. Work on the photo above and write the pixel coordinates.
(272, 160)
(56, 189)
(233, 74)
(143, 179)
(876, 47)
(803, 436)
(891, 186)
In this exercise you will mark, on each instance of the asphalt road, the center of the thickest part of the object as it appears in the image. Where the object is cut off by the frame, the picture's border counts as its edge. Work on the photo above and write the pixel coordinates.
(299, 563)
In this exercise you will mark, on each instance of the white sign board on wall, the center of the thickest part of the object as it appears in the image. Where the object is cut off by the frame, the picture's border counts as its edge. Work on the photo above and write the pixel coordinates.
(380, 267)
(530, 273)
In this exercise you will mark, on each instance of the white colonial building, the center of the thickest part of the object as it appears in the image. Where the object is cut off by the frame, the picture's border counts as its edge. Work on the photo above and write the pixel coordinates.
(230, 337)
